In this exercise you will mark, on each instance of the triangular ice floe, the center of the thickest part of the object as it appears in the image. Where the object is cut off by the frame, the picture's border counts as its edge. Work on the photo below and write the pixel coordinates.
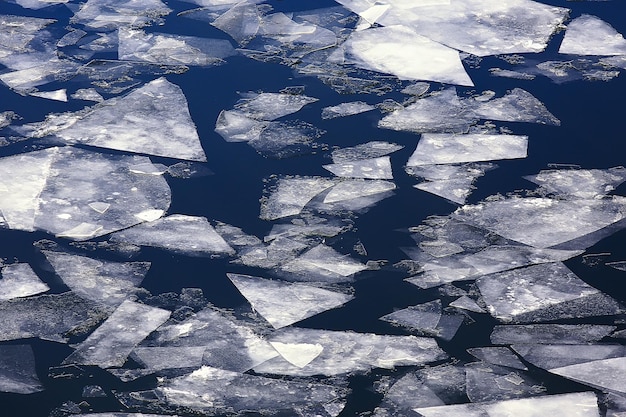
(590, 35)
(298, 354)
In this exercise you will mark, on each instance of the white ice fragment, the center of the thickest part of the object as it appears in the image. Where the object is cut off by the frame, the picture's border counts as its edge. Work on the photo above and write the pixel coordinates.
(81, 231)
(111, 343)
(346, 109)
(19, 280)
(137, 45)
(106, 282)
(89, 94)
(17, 370)
(590, 35)
(111, 14)
(156, 358)
(241, 21)
(579, 183)
(438, 148)
(455, 190)
(351, 189)
(549, 333)
(290, 195)
(552, 356)
(71, 38)
(400, 51)
(298, 354)
(466, 303)
(236, 126)
(271, 106)
(376, 168)
(190, 235)
(517, 105)
(345, 352)
(38, 4)
(606, 374)
(368, 150)
(323, 261)
(497, 355)
(58, 95)
(282, 303)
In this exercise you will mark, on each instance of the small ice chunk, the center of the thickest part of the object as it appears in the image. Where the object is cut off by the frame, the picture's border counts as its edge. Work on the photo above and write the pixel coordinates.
(71, 37)
(400, 51)
(346, 109)
(456, 190)
(517, 105)
(157, 358)
(519, 75)
(590, 35)
(437, 148)
(290, 194)
(17, 370)
(427, 319)
(111, 343)
(466, 303)
(549, 333)
(542, 292)
(236, 126)
(106, 282)
(376, 168)
(110, 14)
(282, 303)
(241, 21)
(351, 189)
(19, 280)
(38, 4)
(58, 95)
(605, 374)
(189, 235)
(93, 391)
(497, 355)
(271, 106)
(88, 94)
(285, 139)
(487, 382)
(579, 183)
(368, 150)
(553, 356)
(298, 354)
(323, 263)
(406, 394)
(351, 352)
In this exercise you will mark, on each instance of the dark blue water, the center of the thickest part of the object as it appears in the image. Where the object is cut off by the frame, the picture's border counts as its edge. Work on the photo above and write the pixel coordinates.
(591, 135)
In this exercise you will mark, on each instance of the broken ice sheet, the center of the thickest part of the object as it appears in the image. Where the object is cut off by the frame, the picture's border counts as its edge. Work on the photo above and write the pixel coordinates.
(189, 235)
(376, 168)
(289, 195)
(346, 109)
(153, 119)
(368, 150)
(37, 4)
(517, 105)
(271, 106)
(605, 374)
(497, 355)
(156, 358)
(324, 264)
(590, 35)
(24, 79)
(281, 303)
(47, 317)
(404, 395)
(579, 183)
(19, 280)
(17, 370)
(549, 333)
(439, 148)
(426, 319)
(552, 356)
(111, 14)
(18, 32)
(284, 139)
(543, 292)
(58, 95)
(89, 94)
(351, 189)
(345, 352)
(487, 382)
(106, 282)
(111, 343)
(137, 45)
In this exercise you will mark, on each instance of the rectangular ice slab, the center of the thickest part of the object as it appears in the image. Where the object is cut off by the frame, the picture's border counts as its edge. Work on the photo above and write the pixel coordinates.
(111, 343)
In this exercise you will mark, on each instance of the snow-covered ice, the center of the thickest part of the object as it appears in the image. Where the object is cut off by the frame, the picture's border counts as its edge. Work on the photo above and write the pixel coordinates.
(19, 280)
(376, 168)
(289, 195)
(590, 35)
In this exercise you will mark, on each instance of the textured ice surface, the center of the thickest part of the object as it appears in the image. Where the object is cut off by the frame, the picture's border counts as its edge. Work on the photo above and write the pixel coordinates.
(18, 32)
(426, 319)
(590, 35)
(89, 94)
(282, 303)
(440, 148)
(58, 95)
(561, 355)
(516, 105)
(110, 14)
(227, 343)
(38, 4)
(351, 352)
(111, 343)
(368, 150)
(28, 75)
(581, 404)
(346, 109)
(19, 280)
(153, 119)
(17, 370)
(400, 51)
(497, 355)
(406, 394)
(156, 358)
(106, 282)
(189, 235)
(606, 374)
(543, 222)
(549, 333)
(542, 292)
(486, 382)
(323, 263)
(351, 189)
(137, 45)
(237, 126)
(453, 182)
(466, 303)
(579, 183)
(271, 106)
(290, 194)
(376, 168)
(284, 139)
(47, 317)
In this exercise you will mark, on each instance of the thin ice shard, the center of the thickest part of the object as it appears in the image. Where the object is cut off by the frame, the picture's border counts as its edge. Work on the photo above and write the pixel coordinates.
(376, 168)
(19, 280)
(590, 35)
(189, 235)
(111, 343)
(282, 303)
(58, 95)
(346, 109)
(606, 374)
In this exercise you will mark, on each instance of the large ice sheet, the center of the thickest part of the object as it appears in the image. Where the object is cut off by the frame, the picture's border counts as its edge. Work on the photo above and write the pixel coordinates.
(542, 292)
(376, 168)
(153, 119)
(552, 356)
(486, 382)
(440, 148)
(346, 109)
(517, 105)
(606, 374)
(543, 222)
(19, 280)
(352, 352)
(111, 343)
(282, 303)
(137, 45)
(111, 14)
(590, 35)
(106, 282)
(549, 333)
(17, 370)
(400, 51)
(579, 183)
(189, 235)
(290, 194)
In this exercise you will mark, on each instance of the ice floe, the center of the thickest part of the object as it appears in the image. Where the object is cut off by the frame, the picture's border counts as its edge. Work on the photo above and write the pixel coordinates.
(17, 370)
(487, 382)
(427, 319)
(549, 333)
(322, 263)
(376, 168)
(346, 109)
(590, 35)
(289, 196)
(579, 183)
(19, 280)
(111, 14)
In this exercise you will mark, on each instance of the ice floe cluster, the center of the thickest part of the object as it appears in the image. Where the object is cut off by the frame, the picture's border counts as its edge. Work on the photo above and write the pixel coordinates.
(486, 312)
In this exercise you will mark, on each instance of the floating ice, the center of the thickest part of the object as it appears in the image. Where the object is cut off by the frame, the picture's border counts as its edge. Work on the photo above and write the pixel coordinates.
(48, 317)
(18, 32)
(400, 51)
(89, 94)
(351, 189)
(17, 370)
(58, 95)
(271, 106)
(282, 303)
(406, 394)
(590, 35)
(111, 343)
(110, 14)
(284, 139)
(606, 374)
(496, 355)
(466, 303)
(543, 292)
(558, 356)
(619, 265)
(427, 319)
(520, 75)
(436, 148)
(153, 119)
(189, 235)
(30, 75)
(543, 222)
(322, 263)
(157, 358)
(346, 109)
(236, 126)
(52, 190)
(580, 404)
(137, 45)
(368, 150)
(453, 182)
(239, 19)
(298, 354)
(549, 333)
(19, 280)
(290, 194)
(106, 282)
(377, 168)
(351, 352)
(38, 4)
(516, 105)
(580, 183)
(487, 382)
